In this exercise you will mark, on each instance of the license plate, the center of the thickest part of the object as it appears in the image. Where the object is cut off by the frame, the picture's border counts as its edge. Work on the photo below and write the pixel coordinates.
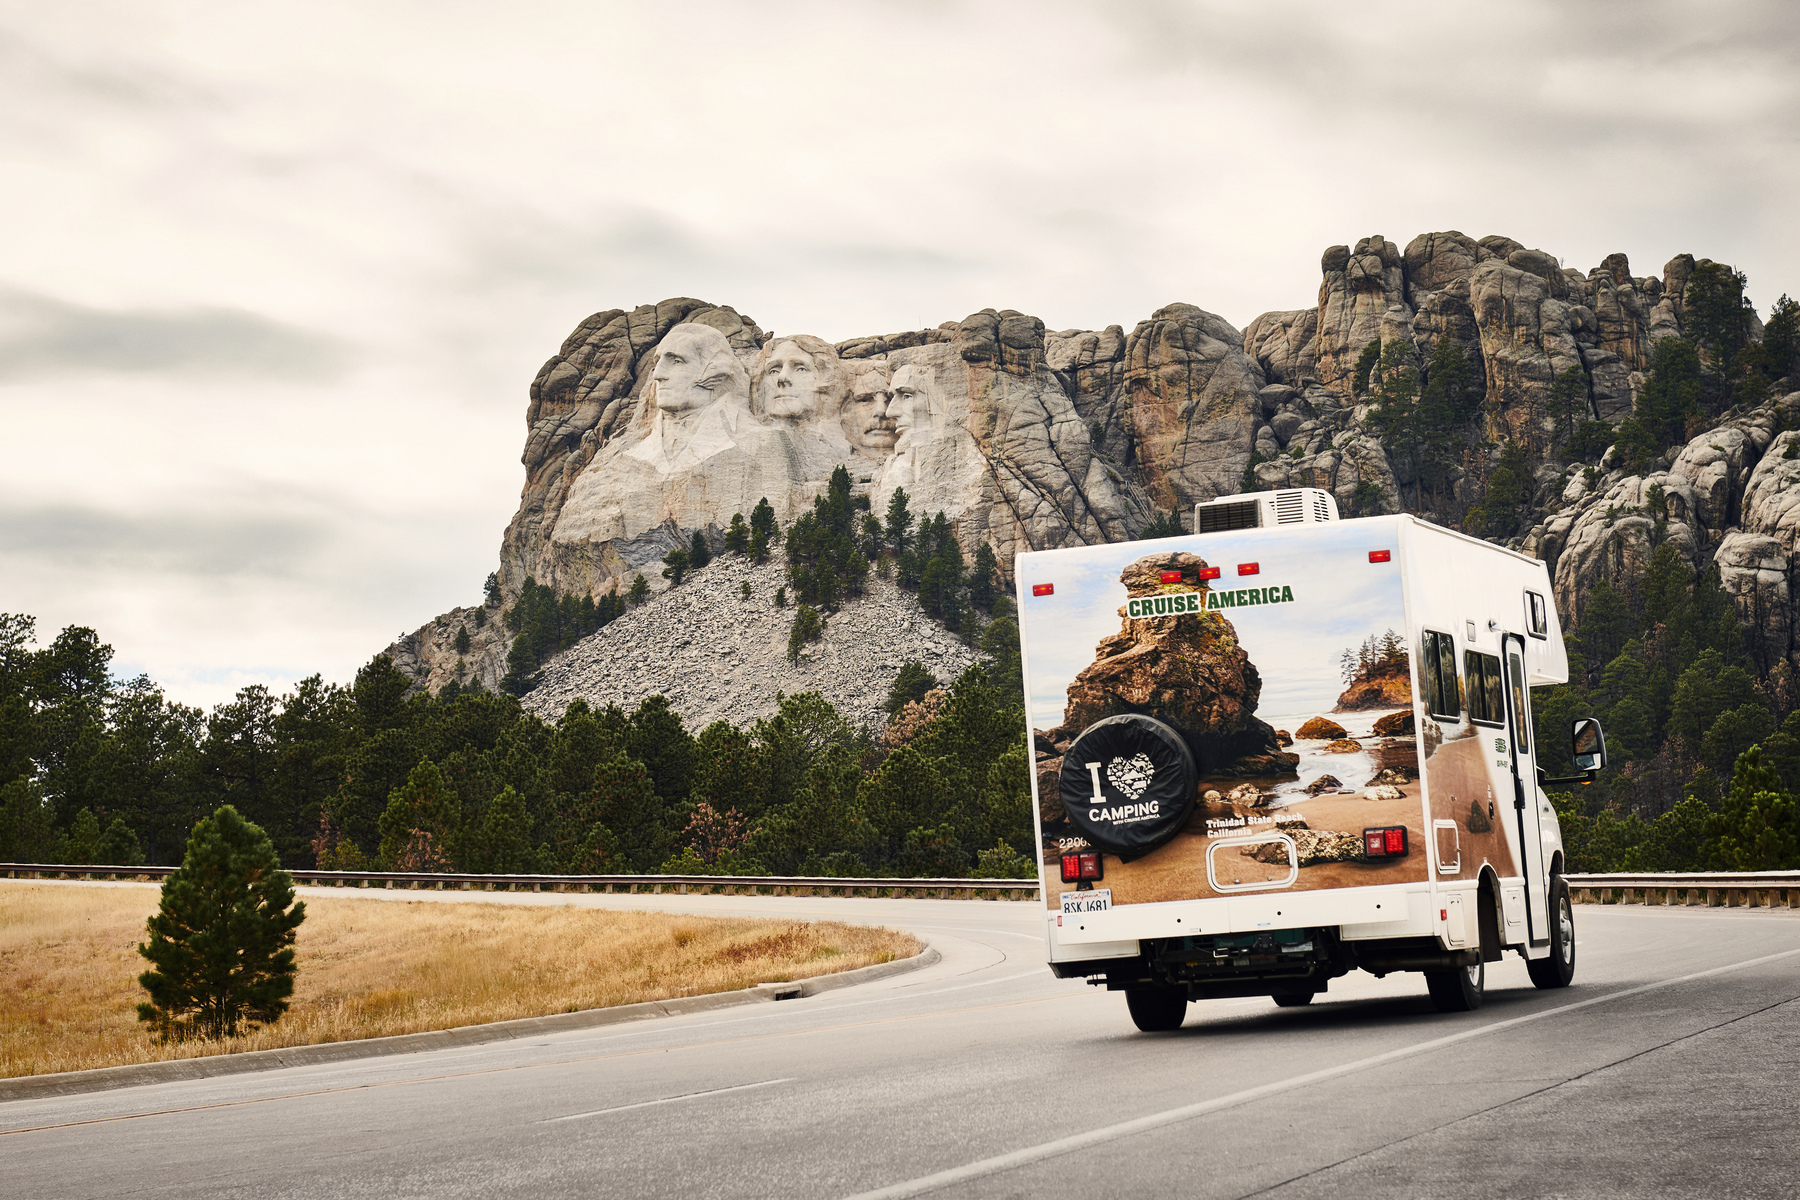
(1075, 904)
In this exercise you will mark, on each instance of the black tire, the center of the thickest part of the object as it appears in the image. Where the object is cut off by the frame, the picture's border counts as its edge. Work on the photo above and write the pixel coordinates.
(1293, 999)
(1134, 751)
(1157, 1009)
(1558, 970)
(1458, 989)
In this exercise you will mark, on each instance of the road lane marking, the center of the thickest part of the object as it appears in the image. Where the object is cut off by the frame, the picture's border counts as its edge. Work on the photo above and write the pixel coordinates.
(559, 1062)
(1531, 1095)
(1187, 1112)
(601, 1112)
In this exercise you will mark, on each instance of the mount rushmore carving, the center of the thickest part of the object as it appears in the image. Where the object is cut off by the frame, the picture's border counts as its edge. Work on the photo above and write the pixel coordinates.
(652, 423)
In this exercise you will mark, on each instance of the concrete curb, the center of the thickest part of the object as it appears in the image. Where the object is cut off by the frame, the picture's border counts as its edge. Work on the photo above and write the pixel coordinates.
(70, 1083)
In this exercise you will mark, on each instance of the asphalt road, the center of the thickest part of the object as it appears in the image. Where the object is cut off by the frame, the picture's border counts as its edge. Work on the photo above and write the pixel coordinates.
(1671, 1068)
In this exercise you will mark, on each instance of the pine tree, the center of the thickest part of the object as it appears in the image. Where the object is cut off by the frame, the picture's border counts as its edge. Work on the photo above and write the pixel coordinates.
(640, 590)
(221, 942)
(910, 685)
(899, 521)
(983, 578)
(675, 566)
(1781, 338)
(762, 520)
(418, 827)
(737, 535)
(699, 552)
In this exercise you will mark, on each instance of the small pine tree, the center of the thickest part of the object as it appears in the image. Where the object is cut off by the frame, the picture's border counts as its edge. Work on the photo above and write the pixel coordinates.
(490, 589)
(222, 940)
(780, 597)
(640, 590)
(807, 628)
(462, 639)
(983, 577)
(762, 520)
(675, 566)
(699, 552)
(737, 535)
(1781, 338)
(899, 521)
(910, 684)
(119, 846)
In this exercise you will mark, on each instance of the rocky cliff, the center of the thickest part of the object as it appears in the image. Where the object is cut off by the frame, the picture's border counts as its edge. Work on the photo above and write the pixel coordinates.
(652, 423)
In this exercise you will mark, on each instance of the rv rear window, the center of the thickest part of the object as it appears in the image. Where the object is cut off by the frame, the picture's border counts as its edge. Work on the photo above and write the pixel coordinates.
(1537, 620)
(1437, 671)
(1487, 704)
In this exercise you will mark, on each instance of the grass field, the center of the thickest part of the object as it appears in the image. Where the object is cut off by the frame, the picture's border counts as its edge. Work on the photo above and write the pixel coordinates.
(369, 968)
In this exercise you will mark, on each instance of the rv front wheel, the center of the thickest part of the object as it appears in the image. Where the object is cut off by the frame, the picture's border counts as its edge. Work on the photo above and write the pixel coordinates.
(1558, 969)
(1157, 1009)
(1458, 989)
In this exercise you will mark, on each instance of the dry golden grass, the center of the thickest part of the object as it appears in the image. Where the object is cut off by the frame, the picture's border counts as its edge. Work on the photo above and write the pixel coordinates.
(369, 968)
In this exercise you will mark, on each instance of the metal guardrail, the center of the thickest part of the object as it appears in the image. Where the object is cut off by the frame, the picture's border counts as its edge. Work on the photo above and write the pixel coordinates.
(1750, 889)
(655, 885)
(1761, 889)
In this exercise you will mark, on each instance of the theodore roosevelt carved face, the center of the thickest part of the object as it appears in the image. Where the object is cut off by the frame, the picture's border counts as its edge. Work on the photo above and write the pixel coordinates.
(800, 380)
(865, 419)
(695, 367)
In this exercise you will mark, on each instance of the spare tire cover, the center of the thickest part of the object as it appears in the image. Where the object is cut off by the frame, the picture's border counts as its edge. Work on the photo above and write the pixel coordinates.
(1127, 784)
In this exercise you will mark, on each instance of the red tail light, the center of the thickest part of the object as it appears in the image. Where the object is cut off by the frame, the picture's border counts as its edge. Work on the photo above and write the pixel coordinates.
(1380, 555)
(1249, 568)
(1171, 576)
(1082, 865)
(1209, 572)
(1043, 589)
(1387, 842)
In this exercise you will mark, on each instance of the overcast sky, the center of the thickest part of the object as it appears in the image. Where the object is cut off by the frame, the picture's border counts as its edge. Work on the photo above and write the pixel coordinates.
(277, 276)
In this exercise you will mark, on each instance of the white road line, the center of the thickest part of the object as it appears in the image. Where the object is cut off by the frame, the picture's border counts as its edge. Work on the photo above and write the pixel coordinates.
(1172, 1116)
(601, 1112)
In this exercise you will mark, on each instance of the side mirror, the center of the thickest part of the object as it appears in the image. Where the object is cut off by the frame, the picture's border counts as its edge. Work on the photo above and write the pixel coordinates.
(1588, 744)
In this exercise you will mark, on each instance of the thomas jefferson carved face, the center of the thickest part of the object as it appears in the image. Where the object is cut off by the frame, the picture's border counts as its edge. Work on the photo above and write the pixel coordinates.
(694, 367)
(796, 381)
(865, 417)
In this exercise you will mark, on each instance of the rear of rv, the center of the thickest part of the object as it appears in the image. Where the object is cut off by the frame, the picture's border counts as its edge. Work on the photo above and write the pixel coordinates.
(1229, 772)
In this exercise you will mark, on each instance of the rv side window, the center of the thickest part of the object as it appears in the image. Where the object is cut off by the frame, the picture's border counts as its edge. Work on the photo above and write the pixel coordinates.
(1537, 618)
(1487, 706)
(1437, 671)
(1520, 738)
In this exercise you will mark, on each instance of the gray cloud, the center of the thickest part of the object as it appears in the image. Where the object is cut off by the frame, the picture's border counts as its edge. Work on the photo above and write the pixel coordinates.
(202, 545)
(40, 336)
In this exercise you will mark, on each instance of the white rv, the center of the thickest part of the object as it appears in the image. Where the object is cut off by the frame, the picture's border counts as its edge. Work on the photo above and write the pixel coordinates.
(1288, 746)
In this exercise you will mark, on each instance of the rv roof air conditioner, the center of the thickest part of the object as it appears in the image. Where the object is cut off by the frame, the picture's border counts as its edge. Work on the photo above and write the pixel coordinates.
(1252, 510)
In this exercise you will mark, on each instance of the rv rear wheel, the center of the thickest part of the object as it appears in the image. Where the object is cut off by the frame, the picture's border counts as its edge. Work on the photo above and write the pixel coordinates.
(1559, 968)
(1157, 1009)
(1292, 999)
(1458, 989)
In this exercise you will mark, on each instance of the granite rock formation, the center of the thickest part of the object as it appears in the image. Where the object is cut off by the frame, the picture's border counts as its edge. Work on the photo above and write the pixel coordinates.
(651, 423)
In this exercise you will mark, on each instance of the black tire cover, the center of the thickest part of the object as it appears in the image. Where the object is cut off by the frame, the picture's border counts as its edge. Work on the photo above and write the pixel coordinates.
(1146, 783)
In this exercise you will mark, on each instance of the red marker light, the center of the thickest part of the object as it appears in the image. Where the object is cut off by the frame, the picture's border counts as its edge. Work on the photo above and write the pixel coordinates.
(1084, 864)
(1043, 589)
(1381, 555)
(1171, 576)
(1249, 569)
(1209, 572)
(1389, 842)
(1396, 840)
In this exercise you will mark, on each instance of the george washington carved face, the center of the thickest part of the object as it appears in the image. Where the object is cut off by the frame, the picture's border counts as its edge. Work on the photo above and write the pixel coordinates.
(695, 367)
(865, 418)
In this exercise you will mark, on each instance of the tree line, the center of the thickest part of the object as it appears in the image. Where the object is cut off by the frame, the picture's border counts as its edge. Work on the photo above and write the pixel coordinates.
(374, 774)
(1702, 727)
